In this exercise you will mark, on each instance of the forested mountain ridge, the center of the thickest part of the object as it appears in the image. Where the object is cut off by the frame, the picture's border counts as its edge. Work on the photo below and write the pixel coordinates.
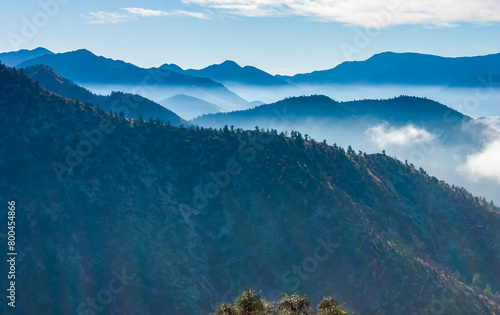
(192, 216)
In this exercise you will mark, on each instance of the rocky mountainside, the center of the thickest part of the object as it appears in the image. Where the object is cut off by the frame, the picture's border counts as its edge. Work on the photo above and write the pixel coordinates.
(126, 216)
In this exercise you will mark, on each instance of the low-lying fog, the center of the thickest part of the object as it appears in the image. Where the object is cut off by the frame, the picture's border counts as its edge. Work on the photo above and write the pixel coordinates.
(475, 102)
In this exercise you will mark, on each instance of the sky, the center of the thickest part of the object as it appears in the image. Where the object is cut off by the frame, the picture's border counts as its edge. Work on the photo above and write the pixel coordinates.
(280, 36)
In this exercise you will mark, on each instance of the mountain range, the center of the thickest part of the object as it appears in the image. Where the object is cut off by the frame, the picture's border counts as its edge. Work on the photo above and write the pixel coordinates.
(89, 70)
(409, 68)
(382, 68)
(184, 218)
(370, 125)
(415, 129)
(229, 72)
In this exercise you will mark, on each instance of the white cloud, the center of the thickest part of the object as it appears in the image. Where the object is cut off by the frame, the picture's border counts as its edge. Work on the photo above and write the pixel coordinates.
(384, 136)
(102, 17)
(127, 14)
(146, 12)
(369, 13)
(485, 164)
(198, 15)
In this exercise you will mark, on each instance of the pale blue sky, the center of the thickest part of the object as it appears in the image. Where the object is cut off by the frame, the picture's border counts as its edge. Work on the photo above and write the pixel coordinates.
(287, 37)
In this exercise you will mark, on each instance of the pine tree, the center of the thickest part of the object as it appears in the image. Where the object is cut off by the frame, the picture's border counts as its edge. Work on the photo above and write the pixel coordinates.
(329, 306)
(295, 304)
(226, 309)
(249, 303)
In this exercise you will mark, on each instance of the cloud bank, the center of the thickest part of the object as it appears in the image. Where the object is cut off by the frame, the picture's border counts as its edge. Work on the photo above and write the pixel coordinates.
(486, 163)
(385, 136)
(367, 13)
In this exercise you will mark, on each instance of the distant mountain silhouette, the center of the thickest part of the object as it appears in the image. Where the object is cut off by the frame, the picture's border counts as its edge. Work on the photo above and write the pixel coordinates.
(135, 217)
(133, 105)
(405, 68)
(13, 58)
(229, 72)
(189, 107)
(172, 67)
(83, 67)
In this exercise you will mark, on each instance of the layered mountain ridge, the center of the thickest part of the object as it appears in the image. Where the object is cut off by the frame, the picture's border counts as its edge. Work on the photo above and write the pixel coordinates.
(132, 105)
(85, 68)
(193, 215)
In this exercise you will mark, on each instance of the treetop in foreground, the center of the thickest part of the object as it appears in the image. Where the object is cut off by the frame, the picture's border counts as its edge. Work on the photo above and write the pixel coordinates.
(250, 303)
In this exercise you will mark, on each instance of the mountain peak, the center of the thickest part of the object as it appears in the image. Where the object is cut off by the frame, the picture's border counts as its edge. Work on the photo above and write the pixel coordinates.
(230, 72)
(83, 51)
(38, 50)
(13, 58)
(42, 49)
(230, 64)
(172, 67)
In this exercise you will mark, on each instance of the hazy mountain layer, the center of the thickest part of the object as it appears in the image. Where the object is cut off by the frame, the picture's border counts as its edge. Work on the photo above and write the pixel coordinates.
(132, 105)
(190, 107)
